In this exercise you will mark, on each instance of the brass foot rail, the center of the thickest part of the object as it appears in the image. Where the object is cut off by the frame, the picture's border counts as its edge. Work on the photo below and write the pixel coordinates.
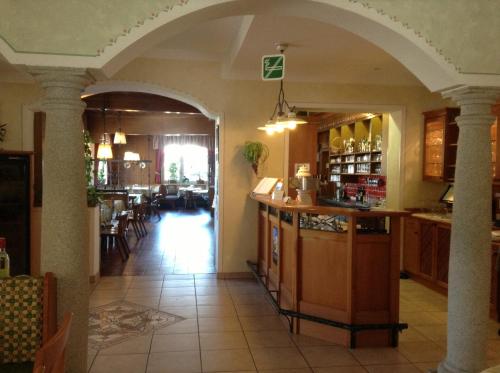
(290, 315)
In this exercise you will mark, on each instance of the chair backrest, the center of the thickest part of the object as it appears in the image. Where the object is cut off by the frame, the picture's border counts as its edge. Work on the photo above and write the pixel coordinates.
(188, 194)
(122, 223)
(162, 189)
(172, 190)
(50, 357)
(28, 317)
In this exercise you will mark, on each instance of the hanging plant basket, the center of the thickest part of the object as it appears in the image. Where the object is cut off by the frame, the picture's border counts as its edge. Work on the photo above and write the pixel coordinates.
(255, 153)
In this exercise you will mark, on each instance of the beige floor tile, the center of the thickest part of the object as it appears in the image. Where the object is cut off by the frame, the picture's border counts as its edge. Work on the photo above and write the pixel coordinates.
(225, 310)
(157, 277)
(262, 309)
(222, 341)
(184, 326)
(407, 368)
(186, 312)
(288, 370)
(175, 292)
(268, 339)
(246, 290)
(146, 284)
(425, 367)
(211, 290)
(205, 275)
(219, 324)
(227, 360)
(112, 286)
(325, 356)
(241, 281)
(174, 362)
(116, 293)
(305, 340)
(434, 332)
(179, 277)
(180, 301)
(175, 342)
(209, 282)
(370, 356)
(249, 299)
(145, 292)
(97, 302)
(178, 283)
(213, 300)
(256, 323)
(129, 363)
(354, 369)
(144, 301)
(278, 358)
(138, 345)
(421, 352)
(411, 335)
(419, 318)
(91, 354)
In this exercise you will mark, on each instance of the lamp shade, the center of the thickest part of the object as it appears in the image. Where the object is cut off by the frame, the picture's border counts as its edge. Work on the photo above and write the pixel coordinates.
(131, 156)
(120, 138)
(104, 151)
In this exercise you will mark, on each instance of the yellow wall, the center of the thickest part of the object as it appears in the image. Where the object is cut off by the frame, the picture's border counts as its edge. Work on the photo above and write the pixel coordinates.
(243, 105)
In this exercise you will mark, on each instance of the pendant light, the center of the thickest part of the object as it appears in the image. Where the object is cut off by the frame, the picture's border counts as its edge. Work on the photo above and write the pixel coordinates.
(120, 137)
(284, 116)
(104, 151)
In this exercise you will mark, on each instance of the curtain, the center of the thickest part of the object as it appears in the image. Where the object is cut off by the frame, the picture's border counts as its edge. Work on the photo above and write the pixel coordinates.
(206, 141)
(158, 147)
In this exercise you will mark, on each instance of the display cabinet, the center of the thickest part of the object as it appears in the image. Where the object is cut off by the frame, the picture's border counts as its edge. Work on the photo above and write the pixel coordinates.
(440, 144)
(356, 149)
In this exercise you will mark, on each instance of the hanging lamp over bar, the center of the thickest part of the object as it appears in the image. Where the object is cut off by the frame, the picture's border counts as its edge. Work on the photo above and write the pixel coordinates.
(120, 137)
(284, 116)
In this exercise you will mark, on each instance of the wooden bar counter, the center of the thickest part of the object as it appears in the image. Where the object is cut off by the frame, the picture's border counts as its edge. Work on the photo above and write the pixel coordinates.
(331, 263)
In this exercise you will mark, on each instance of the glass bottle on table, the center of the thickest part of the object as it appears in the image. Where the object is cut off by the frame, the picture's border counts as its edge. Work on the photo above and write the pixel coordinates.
(4, 259)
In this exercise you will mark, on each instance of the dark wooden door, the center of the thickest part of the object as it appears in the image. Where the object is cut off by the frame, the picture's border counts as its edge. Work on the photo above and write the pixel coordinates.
(443, 234)
(411, 252)
(426, 249)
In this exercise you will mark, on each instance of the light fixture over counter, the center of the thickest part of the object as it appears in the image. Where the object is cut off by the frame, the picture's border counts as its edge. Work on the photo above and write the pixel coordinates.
(104, 151)
(120, 137)
(284, 116)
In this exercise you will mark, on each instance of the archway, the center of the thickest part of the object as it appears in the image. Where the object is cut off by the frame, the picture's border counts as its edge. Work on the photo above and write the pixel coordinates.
(138, 87)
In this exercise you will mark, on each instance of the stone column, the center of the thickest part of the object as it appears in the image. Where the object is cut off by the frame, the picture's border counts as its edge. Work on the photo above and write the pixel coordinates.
(470, 254)
(64, 214)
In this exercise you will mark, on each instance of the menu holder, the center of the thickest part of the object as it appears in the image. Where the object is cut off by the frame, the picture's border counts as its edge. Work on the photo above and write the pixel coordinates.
(265, 186)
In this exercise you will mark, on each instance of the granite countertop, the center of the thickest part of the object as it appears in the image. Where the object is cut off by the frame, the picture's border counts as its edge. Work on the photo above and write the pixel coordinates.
(440, 218)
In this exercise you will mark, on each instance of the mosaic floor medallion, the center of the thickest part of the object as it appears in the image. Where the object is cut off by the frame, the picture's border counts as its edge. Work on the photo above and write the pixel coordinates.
(115, 322)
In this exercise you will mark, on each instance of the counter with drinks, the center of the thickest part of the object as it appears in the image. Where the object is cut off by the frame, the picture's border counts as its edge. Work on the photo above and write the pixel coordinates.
(332, 271)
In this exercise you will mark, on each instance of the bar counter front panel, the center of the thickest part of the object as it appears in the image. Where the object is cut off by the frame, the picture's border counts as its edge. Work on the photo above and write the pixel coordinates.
(335, 264)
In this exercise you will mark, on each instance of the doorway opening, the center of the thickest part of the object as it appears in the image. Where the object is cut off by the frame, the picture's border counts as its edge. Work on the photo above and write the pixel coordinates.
(162, 176)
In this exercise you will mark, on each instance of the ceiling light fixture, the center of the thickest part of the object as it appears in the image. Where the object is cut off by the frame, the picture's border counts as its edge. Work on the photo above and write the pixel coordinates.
(284, 116)
(120, 137)
(104, 151)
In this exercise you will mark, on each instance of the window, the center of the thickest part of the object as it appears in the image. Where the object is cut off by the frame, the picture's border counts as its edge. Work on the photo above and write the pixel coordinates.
(185, 163)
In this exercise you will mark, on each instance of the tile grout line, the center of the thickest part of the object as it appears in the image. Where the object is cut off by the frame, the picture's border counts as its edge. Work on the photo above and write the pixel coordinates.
(197, 323)
(241, 326)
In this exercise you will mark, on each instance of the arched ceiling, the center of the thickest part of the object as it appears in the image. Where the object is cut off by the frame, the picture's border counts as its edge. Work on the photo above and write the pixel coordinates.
(444, 43)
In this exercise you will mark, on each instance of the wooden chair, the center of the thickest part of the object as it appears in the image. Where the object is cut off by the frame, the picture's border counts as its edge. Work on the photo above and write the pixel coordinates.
(50, 357)
(189, 200)
(118, 235)
(28, 318)
(134, 218)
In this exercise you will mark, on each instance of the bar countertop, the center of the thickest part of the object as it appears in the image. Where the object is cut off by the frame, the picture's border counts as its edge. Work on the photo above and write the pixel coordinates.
(325, 210)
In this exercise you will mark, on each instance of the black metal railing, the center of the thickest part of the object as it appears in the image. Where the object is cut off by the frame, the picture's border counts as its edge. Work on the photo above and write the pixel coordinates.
(394, 328)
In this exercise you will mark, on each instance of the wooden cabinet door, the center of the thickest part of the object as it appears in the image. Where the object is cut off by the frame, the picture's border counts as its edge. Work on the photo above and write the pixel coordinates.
(443, 235)
(427, 249)
(411, 250)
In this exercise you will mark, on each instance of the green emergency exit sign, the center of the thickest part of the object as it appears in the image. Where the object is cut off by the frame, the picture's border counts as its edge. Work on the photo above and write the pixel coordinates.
(273, 67)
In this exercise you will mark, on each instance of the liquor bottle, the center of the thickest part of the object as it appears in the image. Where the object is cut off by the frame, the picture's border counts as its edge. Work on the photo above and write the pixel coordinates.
(4, 260)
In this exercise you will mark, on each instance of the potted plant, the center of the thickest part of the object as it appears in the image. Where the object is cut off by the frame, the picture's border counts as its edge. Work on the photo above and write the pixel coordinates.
(173, 172)
(255, 153)
(93, 198)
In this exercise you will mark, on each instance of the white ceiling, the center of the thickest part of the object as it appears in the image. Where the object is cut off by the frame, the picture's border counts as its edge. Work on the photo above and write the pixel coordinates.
(318, 52)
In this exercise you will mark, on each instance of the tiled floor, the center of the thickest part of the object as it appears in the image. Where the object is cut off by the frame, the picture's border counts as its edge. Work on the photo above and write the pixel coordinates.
(181, 242)
(230, 327)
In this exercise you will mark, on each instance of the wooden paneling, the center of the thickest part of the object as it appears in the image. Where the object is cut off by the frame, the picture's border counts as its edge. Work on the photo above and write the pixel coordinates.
(443, 235)
(411, 253)
(323, 268)
(426, 249)
(288, 264)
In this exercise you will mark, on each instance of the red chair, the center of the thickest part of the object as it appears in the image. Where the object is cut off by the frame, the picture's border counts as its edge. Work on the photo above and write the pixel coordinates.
(50, 357)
